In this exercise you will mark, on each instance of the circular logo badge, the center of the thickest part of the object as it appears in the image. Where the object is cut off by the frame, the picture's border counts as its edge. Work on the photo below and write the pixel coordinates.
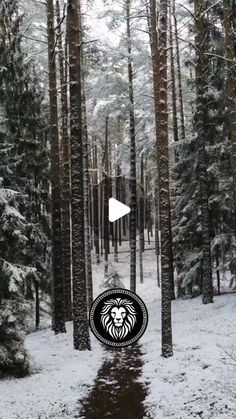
(118, 317)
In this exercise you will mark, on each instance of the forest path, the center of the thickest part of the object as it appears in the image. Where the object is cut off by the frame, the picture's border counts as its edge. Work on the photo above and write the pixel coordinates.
(117, 392)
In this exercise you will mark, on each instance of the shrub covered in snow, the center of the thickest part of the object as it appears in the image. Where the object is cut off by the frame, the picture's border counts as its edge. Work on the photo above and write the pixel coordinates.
(13, 356)
(15, 276)
(113, 281)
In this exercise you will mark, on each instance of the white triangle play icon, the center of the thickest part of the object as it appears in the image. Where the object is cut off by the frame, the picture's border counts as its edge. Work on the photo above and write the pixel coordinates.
(117, 210)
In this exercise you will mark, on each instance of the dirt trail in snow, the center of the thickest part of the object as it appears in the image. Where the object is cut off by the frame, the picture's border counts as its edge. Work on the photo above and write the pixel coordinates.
(117, 392)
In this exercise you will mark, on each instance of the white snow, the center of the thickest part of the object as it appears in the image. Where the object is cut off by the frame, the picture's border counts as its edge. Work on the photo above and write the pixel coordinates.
(61, 378)
(198, 381)
(13, 212)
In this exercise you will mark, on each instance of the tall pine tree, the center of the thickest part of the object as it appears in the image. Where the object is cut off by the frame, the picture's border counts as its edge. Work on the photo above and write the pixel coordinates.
(80, 316)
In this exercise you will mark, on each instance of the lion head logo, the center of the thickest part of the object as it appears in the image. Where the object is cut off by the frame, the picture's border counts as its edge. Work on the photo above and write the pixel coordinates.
(118, 317)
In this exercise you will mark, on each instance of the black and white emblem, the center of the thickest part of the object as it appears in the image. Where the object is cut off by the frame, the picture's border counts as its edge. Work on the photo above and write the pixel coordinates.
(118, 317)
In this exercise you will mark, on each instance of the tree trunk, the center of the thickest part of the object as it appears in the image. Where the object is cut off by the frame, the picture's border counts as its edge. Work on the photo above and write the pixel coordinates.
(37, 313)
(155, 51)
(141, 220)
(230, 53)
(119, 189)
(66, 228)
(101, 203)
(133, 191)
(201, 120)
(179, 77)
(173, 85)
(96, 203)
(117, 186)
(157, 241)
(87, 216)
(218, 269)
(106, 185)
(87, 194)
(123, 197)
(164, 194)
(57, 272)
(80, 319)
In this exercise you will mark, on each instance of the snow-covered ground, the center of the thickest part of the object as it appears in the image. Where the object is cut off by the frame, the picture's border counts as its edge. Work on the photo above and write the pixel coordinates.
(198, 381)
(63, 377)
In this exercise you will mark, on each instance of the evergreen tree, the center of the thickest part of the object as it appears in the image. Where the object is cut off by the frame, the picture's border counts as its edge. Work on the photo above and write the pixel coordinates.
(15, 275)
(24, 169)
(23, 139)
(188, 233)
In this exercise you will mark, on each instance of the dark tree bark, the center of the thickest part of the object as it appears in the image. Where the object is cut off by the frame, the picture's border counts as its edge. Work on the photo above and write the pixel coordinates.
(119, 188)
(123, 197)
(201, 121)
(95, 203)
(37, 313)
(80, 318)
(155, 52)
(141, 203)
(106, 188)
(158, 46)
(87, 189)
(101, 202)
(157, 241)
(141, 219)
(218, 269)
(179, 76)
(65, 146)
(173, 84)
(57, 272)
(87, 214)
(164, 193)
(116, 224)
(230, 53)
(133, 191)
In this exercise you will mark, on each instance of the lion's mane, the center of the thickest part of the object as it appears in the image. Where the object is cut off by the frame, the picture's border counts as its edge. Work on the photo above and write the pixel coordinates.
(107, 321)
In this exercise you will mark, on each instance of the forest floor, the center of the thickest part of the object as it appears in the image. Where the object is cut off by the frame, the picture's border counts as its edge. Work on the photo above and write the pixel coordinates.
(199, 381)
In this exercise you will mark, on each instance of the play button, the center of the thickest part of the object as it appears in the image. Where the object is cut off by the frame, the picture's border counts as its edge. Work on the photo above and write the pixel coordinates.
(117, 210)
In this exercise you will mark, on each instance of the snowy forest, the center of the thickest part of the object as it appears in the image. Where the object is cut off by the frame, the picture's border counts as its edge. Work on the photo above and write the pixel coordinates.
(135, 100)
